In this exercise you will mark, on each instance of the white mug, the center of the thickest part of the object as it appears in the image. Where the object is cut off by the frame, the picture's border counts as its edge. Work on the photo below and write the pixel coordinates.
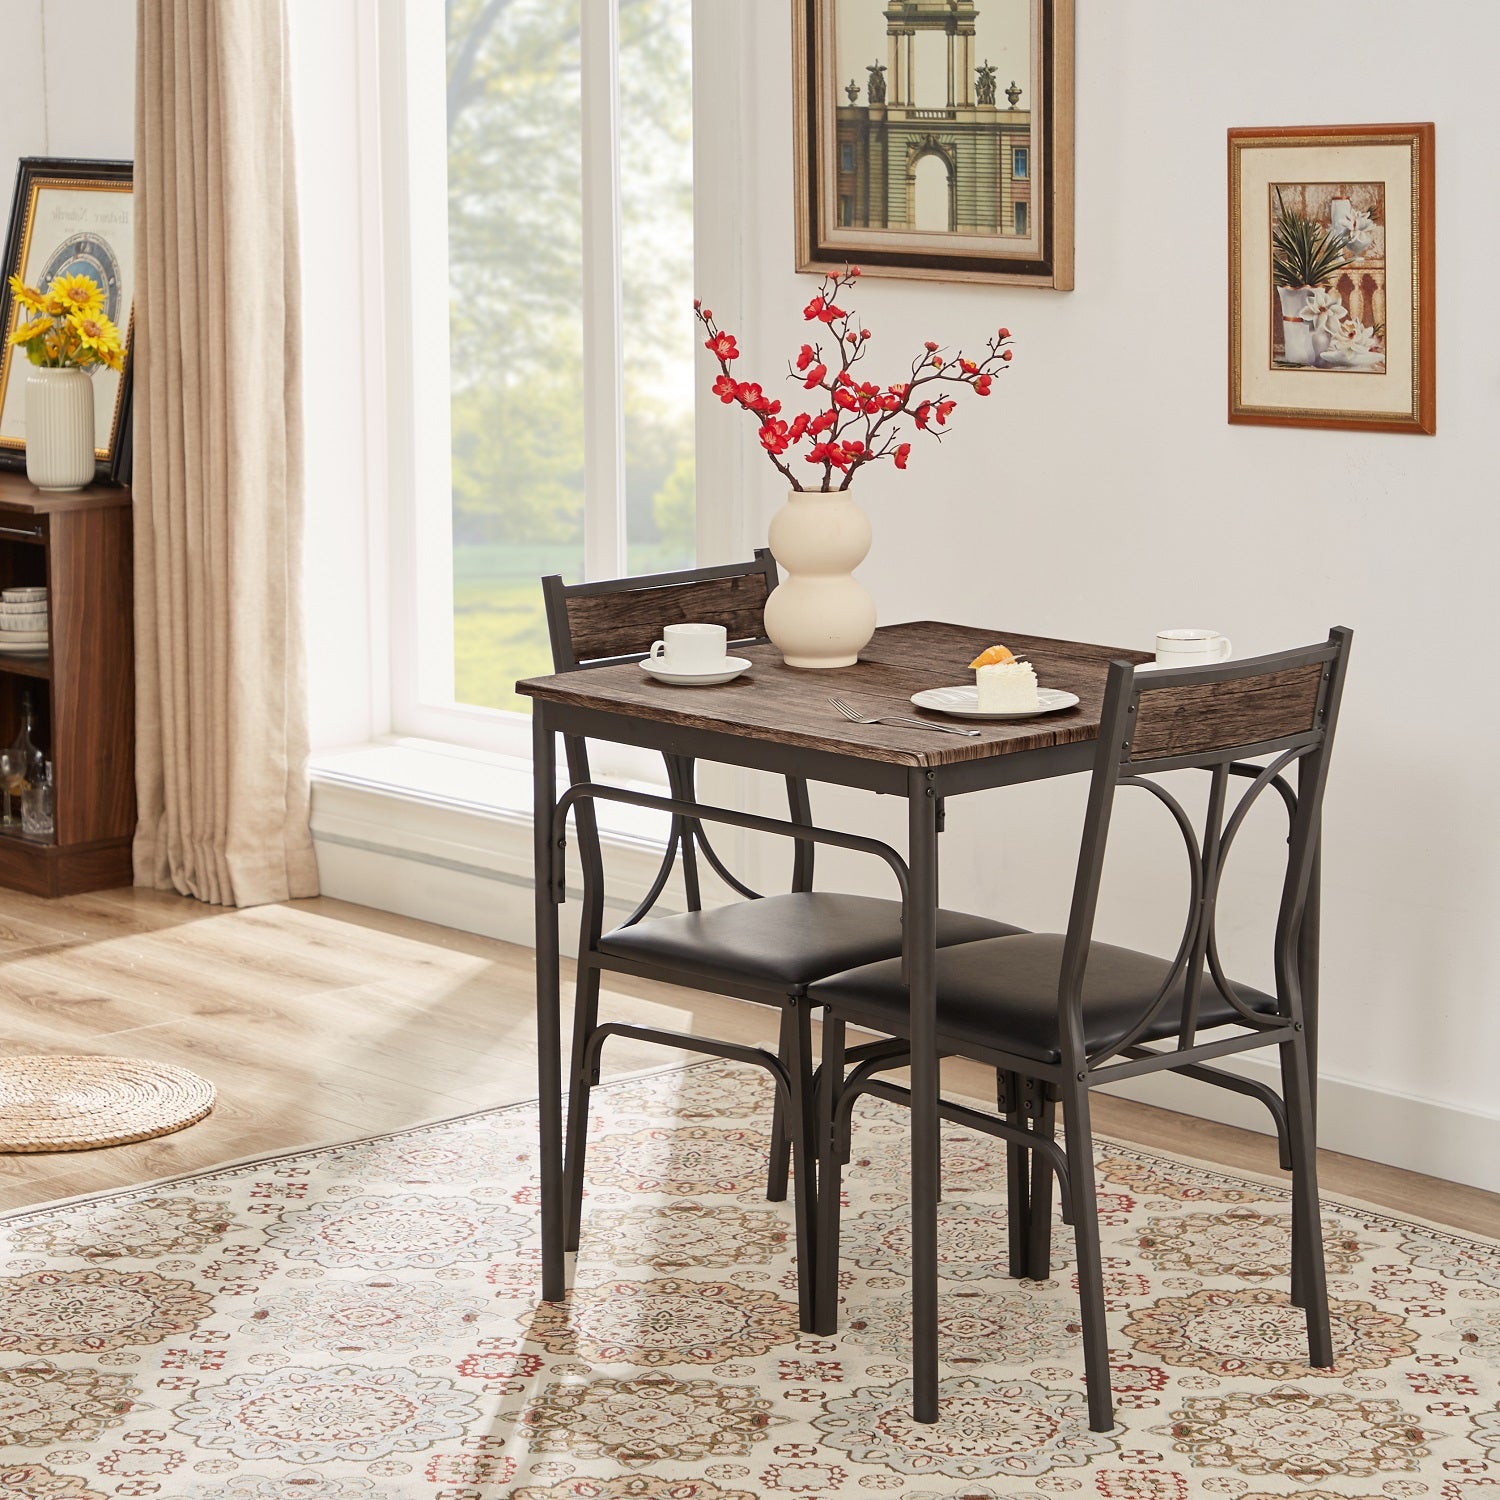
(1191, 648)
(691, 648)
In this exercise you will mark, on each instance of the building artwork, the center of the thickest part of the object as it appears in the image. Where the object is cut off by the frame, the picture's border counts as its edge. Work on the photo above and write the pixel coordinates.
(976, 150)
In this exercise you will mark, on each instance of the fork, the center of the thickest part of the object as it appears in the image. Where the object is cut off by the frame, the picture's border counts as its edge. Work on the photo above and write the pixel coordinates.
(855, 717)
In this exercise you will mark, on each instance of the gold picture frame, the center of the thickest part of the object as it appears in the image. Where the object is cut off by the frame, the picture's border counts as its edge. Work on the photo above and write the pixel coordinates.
(1331, 277)
(939, 174)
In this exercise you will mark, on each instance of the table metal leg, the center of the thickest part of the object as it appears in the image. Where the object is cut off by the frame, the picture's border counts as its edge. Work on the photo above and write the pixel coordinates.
(548, 1006)
(920, 953)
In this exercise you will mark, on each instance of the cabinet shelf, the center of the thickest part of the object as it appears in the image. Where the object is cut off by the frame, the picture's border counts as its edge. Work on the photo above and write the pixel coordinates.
(26, 666)
(82, 690)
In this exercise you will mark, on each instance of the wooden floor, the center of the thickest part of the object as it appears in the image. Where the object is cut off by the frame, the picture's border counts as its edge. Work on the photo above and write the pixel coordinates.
(318, 1021)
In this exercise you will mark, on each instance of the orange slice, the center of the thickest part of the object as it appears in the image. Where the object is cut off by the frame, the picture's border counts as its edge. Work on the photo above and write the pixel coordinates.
(996, 656)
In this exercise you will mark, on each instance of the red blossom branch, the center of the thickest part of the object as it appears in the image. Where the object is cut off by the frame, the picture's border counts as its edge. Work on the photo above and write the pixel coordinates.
(860, 422)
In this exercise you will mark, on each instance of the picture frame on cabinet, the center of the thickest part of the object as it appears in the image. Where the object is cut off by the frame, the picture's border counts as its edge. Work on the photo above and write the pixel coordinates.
(933, 139)
(1331, 277)
(71, 216)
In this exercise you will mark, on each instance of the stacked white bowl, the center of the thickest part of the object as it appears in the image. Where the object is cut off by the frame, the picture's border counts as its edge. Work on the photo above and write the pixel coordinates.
(23, 621)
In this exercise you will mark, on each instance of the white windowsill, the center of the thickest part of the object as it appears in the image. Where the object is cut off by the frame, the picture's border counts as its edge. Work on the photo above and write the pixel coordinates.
(480, 782)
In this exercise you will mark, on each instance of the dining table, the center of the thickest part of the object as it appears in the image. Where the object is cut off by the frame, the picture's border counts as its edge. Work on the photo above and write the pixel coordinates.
(779, 719)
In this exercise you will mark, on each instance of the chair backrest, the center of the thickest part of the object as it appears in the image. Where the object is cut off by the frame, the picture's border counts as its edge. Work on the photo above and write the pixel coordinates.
(1280, 710)
(600, 624)
(594, 624)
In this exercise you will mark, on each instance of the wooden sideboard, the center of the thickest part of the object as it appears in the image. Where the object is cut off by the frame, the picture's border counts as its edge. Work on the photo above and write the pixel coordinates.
(82, 690)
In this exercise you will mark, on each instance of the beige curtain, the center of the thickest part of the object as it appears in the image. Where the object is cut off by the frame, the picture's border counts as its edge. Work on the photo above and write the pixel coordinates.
(221, 715)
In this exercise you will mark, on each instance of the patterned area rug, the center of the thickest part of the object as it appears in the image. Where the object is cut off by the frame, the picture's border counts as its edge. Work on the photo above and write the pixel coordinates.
(359, 1323)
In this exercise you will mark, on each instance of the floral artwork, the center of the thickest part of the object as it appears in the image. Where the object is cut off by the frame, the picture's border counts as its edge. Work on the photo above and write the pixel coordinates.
(361, 1322)
(1328, 266)
(1332, 261)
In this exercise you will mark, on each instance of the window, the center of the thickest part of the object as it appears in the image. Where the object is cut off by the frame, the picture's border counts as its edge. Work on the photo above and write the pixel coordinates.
(552, 411)
(1020, 217)
(846, 157)
(1020, 161)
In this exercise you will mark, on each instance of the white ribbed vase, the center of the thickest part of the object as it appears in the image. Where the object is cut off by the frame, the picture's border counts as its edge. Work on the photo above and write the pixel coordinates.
(59, 428)
(819, 615)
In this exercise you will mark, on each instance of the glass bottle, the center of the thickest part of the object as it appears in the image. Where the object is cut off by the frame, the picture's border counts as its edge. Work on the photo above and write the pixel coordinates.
(27, 759)
(38, 805)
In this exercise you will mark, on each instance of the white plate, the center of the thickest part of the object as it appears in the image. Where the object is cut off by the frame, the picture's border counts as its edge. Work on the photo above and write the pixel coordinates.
(23, 648)
(733, 666)
(963, 703)
(22, 596)
(23, 637)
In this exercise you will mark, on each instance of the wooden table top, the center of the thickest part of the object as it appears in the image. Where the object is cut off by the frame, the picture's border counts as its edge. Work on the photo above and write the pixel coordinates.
(789, 705)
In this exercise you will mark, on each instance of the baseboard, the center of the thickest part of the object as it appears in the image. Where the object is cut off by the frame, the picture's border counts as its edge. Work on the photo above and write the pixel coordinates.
(1372, 1124)
(457, 867)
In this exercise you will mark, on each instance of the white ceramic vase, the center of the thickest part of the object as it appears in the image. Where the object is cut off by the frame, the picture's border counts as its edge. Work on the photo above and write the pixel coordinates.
(1297, 336)
(59, 428)
(820, 615)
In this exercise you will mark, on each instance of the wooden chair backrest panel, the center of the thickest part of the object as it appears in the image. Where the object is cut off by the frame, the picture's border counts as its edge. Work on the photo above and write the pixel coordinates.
(626, 623)
(1178, 721)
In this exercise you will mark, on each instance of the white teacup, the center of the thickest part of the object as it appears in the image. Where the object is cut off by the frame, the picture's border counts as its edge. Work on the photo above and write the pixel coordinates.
(1191, 648)
(691, 648)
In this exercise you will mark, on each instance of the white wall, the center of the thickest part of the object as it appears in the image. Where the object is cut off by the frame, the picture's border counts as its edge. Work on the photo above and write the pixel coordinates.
(45, 113)
(1100, 494)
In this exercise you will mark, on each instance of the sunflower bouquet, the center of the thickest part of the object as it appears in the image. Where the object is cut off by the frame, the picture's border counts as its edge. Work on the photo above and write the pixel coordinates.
(65, 326)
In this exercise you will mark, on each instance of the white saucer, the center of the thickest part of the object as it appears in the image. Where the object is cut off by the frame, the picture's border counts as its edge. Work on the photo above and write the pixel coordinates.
(1173, 666)
(963, 703)
(733, 666)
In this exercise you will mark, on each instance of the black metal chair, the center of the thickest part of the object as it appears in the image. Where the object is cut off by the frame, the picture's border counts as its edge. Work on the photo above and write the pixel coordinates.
(765, 949)
(1058, 1014)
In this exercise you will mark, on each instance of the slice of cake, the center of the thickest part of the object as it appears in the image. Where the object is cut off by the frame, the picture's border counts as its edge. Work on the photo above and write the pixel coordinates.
(1007, 688)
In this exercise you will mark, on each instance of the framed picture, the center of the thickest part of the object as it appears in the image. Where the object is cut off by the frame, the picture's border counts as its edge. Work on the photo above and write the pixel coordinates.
(71, 217)
(1331, 277)
(934, 138)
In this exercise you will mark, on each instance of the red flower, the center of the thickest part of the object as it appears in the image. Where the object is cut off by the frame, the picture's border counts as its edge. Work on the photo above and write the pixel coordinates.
(846, 399)
(1005, 354)
(899, 390)
(982, 385)
(890, 403)
(815, 376)
(1004, 333)
(775, 437)
(937, 362)
(854, 448)
(724, 389)
(845, 378)
(968, 366)
(851, 337)
(753, 398)
(942, 409)
(823, 421)
(852, 271)
(799, 426)
(824, 312)
(902, 454)
(697, 304)
(921, 414)
(828, 453)
(930, 347)
(806, 357)
(722, 346)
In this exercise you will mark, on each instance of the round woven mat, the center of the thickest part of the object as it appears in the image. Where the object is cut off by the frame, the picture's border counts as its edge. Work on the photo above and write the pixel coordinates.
(76, 1103)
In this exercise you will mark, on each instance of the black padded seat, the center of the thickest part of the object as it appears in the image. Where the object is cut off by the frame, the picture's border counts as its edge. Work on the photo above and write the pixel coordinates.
(1001, 993)
(785, 940)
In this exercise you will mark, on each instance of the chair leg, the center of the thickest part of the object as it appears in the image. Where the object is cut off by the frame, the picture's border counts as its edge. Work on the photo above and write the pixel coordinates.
(1080, 1150)
(831, 1158)
(1307, 1219)
(1017, 1173)
(802, 1126)
(781, 1143)
(580, 1081)
(1039, 1244)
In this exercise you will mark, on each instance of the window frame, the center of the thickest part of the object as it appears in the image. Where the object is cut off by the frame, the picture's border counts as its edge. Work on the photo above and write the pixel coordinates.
(408, 88)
